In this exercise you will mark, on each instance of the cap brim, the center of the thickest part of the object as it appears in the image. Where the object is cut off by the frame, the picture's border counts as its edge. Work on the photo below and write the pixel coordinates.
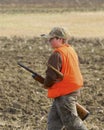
(46, 36)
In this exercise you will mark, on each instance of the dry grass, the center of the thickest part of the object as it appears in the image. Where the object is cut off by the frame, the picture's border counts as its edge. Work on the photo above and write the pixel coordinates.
(78, 24)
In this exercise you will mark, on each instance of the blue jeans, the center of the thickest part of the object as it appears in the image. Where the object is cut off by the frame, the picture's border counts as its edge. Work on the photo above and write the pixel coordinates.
(63, 114)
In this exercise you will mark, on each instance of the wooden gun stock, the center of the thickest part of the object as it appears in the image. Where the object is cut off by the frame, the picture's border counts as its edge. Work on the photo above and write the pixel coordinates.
(82, 112)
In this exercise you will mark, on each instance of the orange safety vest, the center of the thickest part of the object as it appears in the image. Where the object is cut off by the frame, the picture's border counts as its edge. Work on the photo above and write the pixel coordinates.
(72, 80)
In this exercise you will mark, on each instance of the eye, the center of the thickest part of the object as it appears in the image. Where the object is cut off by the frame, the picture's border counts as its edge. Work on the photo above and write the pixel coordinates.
(51, 39)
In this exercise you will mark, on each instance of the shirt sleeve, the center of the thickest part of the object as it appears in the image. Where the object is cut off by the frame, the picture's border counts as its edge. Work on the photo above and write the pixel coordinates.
(51, 76)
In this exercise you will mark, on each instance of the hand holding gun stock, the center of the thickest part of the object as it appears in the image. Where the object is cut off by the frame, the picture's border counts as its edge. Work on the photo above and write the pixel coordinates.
(82, 112)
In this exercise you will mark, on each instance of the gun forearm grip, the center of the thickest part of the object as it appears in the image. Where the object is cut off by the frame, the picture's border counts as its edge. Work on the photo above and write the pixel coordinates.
(38, 78)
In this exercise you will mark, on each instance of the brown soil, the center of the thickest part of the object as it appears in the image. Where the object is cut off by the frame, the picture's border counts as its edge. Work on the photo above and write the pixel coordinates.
(24, 104)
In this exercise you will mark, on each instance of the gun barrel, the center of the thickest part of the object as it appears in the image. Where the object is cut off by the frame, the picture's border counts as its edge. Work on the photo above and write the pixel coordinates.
(26, 68)
(36, 76)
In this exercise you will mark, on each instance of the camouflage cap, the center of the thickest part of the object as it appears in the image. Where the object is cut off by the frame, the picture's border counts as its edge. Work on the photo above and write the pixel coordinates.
(57, 32)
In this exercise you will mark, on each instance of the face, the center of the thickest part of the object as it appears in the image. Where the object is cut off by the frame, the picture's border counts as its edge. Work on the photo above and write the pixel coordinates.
(55, 43)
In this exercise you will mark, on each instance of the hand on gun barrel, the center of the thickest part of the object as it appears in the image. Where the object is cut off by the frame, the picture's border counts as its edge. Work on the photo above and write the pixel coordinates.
(82, 112)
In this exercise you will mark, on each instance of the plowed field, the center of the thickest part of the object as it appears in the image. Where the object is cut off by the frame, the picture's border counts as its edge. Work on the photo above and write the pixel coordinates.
(24, 104)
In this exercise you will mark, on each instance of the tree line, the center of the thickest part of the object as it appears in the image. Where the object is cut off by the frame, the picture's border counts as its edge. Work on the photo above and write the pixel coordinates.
(67, 3)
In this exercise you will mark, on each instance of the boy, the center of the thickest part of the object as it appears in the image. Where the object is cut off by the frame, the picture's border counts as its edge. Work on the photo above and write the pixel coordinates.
(63, 113)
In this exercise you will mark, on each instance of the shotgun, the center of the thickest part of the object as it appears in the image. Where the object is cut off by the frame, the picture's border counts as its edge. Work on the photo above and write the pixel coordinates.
(82, 112)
